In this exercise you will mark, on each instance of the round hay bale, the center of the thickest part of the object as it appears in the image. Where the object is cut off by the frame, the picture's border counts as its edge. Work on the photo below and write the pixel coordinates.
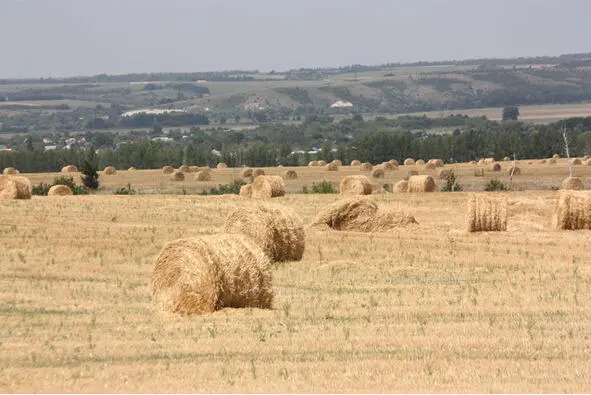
(587, 162)
(177, 176)
(355, 185)
(421, 184)
(69, 169)
(486, 213)
(440, 162)
(411, 173)
(205, 274)
(572, 183)
(337, 162)
(377, 173)
(15, 188)
(444, 174)
(514, 170)
(577, 162)
(277, 230)
(313, 163)
(496, 167)
(542, 162)
(8, 171)
(246, 190)
(409, 162)
(400, 186)
(361, 214)
(132, 169)
(203, 175)
(246, 173)
(489, 161)
(59, 190)
(429, 166)
(238, 180)
(420, 162)
(552, 161)
(321, 163)
(222, 165)
(586, 157)
(290, 175)
(393, 162)
(194, 169)
(167, 169)
(473, 162)
(185, 169)
(387, 166)
(506, 159)
(572, 210)
(366, 167)
(355, 163)
(110, 171)
(481, 162)
(331, 167)
(259, 172)
(555, 156)
(268, 187)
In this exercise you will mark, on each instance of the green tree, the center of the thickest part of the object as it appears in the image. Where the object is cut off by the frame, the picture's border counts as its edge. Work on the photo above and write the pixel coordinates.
(90, 177)
(510, 113)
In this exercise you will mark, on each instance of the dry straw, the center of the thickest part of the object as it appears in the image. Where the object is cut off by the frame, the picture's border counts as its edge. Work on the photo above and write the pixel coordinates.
(246, 173)
(205, 274)
(203, 175)
(15, 188)
(222, 165)
(290, 175)
(572, 183)
(10, 171)
(277, 230)
(246, 190)
(331, 167)
(355, 185)
(366, 166)
(409, 162)
(355, 163)
(59, 190)
(268, 187)
(400, 186)
(177, 176)
(110, 171)
(421, 184)
(361, 214)
(69, 169)
(377, 173)
(486, 213)
(573, 210)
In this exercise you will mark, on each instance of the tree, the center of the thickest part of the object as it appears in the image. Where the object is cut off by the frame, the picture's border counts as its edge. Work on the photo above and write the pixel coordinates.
(510, 113)
(90, 177)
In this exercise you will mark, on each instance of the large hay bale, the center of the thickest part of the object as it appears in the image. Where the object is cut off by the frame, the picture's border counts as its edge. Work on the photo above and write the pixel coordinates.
(577, 162)
(203, 175)
(573, 210)
(167, 169)
(321, 163)
(572, 183)
(429, 166)
(185, 169)
(277, 230)
(393, 162)
(222, 165)
(496, 167)
(409, 162)
(313, 163)
(268, 187)
(366, 166)
(246, 173)
(337, 162)
(290, 175)
(420, 162)
(514, 171)
(69, 169)
(486, 213)
(12, 187)
(331, 167)
(259, 172)
(444, 174)
(177, 176)
(438, 162)
(132, 169)
(355, 163)
(411, 173)
(110, 171)
(246, 190)
(59, 190)
(377, 173)
(387, 166)
(400, 186)
(8, 171)
(555, 156)
(421, 184)
(361, 214)
(355, 185)
(205, 274)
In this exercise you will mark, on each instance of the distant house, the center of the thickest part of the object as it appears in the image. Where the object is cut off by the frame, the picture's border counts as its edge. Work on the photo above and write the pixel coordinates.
(50, 147)
(341, 104)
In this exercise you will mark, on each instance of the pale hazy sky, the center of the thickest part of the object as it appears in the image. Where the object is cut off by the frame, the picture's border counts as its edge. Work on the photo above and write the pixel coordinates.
(42, 38)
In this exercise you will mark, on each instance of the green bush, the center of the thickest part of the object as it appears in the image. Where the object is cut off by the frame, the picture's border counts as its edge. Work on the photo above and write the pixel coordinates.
(42, 189)
(233, 188)
(495, 185)
(451, 184)
(321, 187)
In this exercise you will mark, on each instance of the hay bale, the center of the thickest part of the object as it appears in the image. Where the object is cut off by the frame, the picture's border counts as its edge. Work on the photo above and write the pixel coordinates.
(361, 214)
(268, 187)
(331, 167)
(486, 213)
(573, 210)
(506, 159)
(387, 166)
(552, 161)
(409, 162)
(15, 188)
(421, 184)
(411, 173)
(132, 169)
(444, 174)
(167, 169)
(185, 169)
(377, 173)
(69, 169)
(222, 165)
(393, 162)
(420, 162)
(429, 166)
(572, 183)
(8, 171)
(246, 190)
(555, 156)
(60, 190)
(481, 162)
(203, 175)
(177, 176)
(577, 162)
(366, 167)
(496, 167)
(586, 157)
(542, 162)
(238, 180)
(400, 186)
(438, 162)
(478, 172)
(355, 163)
(355, 185)
(587, 162)
(313, 163)
(194, 169)
(277, 230)
(290, 175)
(321, 163)
(337, 162)
(110, 171)
(489, 161)
(259, 172)
(473, 162)
(246, 173)
(514, 170)
(205, 274)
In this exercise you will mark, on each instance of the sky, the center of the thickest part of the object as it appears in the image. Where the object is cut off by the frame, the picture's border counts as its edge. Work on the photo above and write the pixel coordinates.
(60, 38)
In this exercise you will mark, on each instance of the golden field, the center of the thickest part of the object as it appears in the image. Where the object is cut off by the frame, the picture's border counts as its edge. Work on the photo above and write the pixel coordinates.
(426, 308)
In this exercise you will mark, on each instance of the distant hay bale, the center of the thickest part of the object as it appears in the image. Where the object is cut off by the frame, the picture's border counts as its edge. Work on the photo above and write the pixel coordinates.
(444, 174)
(411, 173)
(205, 274)
(506, 159)
(337, 162)
(277, 230)
(473, 162)
(496, 167)
(586, 157)
(259, 172)
(331, 167)
(185, 169)
(555, 156)
(222, 165)
(577, 162)
(366, 167)
(552, 161)
(313, 163)
(377, 173)
(387, 166)
(268, 187)
(59, 190)
(12, 187)
(177, 176)
(203, 175)
(429, 166)
(355, 163)
(393, 162)
(167, 169)
(400, 186)
(587, 162)
(542, 162)
(420, 162)
(478, 172)
(355, 185)
(486, 213)
(290, 175)
(69, 169)
(573, 210)
(246, 173)
(10, 171)
(489, 161)
(409, 162)
(514, 170)
(438, 162)
(238, 180)
(421, 184)
(572, 183)
(361, 214)
(321, 163)
(194, 169)
(132, 169)
(246, 190)
(110, 171)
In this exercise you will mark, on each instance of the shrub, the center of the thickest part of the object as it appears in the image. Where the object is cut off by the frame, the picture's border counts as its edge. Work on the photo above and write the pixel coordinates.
(495, 185)
(223, 189)
(321, 187)
(42, 189)
(128, 190)
(451, 184)
(90, 177)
